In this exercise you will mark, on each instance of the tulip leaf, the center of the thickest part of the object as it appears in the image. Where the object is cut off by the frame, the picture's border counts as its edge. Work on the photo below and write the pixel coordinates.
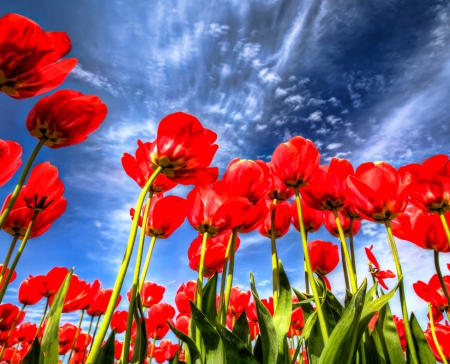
(420, 342)
(307, 329)
(341, 347)
(51, 334)
(193, 350)
(268, 333)
(141, 342)
(258, 350)
(235, 349)
(282, 316)
(106, 353)
(209, 299)
(241, 330)
(373, 356)
(35, 355)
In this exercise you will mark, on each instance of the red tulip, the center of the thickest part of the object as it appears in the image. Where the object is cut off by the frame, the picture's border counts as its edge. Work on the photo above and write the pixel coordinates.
(65, 118)
(182, 324)
(433, 292)
(185, 293)
(268, 303)
(185, 149)
(119, 321)
(253, 217)
(330, 223)
(422, 229)
(374, 269)
(297, 322)
(296, 161)
(166, 214)
(10, 153)
(23, 334)
(12, 355)
(138, 168)
(312, 218)
(53, 281)
(165, 351)
(430, 187)
(211, 210)
(158, 315)
(400, 326)
(78, 296)
(378, 191)
(30, 290)
(282, 220)
(66, 336)
(100, 302)
(276, 188)
(151, 294)
(238, 301)
(373, 322)
(118, 349)
(9, 316)
(30, 58)
(443, 338)
(82, 342)
(13, 276)
(253, 327)
(324, 257)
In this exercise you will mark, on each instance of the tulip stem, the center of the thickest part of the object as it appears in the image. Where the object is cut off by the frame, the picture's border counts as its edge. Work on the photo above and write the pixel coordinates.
(345, 249)
(77, 334)
(8, 256)
(200, 283)
(441, 279)
(21, 181)
(134, 288)
(230, 274)
(43, 317)
(352, 247)
(18, 255)
(433, 334)
(344, 268)
(409, 338)
(275, 267)
(95, 330)
(322, 322)
(152, 349)
(122, 271)
(306, 269)
(147, 262)
(444, 224)
(223, 279)
(87, 338)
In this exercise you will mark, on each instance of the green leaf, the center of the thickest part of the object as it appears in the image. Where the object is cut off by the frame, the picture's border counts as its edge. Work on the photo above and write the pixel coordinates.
(209, 299)
(35, 355)
(373, 356)
(341, 347)
(258, 350)
(306, 332)
(193, 351)
(420, 342)
(51, 334)
(235, 349)
(268, 333)
(141, 342)
(282, 316)
(241, 330)
(106, 353)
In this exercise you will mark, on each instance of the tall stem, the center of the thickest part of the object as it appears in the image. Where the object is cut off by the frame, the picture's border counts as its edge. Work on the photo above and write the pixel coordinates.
(87, 338)
(8, 256)
(275, 268)
(134, 288)
(409, 338)
(43, 317)
(200, 282)
(152, 349)
(223, 279)
(347, 255)
(122, 272)
(77, 333)
(230, 275)
(433, 334)
(323, 325)
(444, 224)
(344, 268)
(21, 181)
(441, 279)
(95, 330)
(18, 255)
(147, 262)
(352, 247)
(305, 268)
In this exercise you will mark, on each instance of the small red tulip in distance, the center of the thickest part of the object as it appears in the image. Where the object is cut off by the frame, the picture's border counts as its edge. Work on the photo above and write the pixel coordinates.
(8, 316)
(276, 188)
(151, 293)
(185, 293)
(30, 62)
(158, 315)
(13, 276)
(53, 281)
(65, 118)
(10, 153)
(119, 321)
(433, 292)
(182, 324)
(282, 220)
(100, 301)
(165, 351)
(443, 338)
(400, 326)
(312, 218)
(324, 257)
(374, 269)
(30, 290)
(330, 223)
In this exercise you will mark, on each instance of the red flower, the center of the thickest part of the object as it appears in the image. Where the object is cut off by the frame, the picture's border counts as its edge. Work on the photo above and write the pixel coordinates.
(297, 322)
(238, 301)
(23, 334)
(378, 191)
(254, 329)
(282, 220)
(400, 326)
(276, 188)
(312, 219)
(66, 336)
(100, 302)
(82, 342)
(12, 355)
(53, 281)
(443, 338)
(183, 324)
(30, 290)
(10, 153)
(373, 322)
(119, 321)
(151, 294)
(29, 57)
(422, 229)
(165, 351)
(211, 210)
(78, 295)
(65, 118)
(433, 291)
(8, 316)
(157, 320)
(327, 189)
(118, 349)
(374, 269)
(268, 303)
(324, 257)
(185, 293)
(430, 187)
(296, 161)
(166, 214)
(139, 169)
(330, 223)
(13, 276)
(185, 149)
(214, 255)
(253, 217)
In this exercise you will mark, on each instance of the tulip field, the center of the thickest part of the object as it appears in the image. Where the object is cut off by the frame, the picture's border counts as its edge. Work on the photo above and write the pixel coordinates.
(210, 319)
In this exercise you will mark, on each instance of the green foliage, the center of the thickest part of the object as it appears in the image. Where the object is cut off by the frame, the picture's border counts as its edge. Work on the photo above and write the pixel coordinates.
(106, 353)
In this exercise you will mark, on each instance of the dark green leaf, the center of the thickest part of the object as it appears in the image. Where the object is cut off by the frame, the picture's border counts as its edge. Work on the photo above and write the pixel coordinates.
(258, 350)
(209, 299)
(35, 355)
(235, 349)
(372, 355)
(141, 342)
(106, 353)
(241, 330)
(305, 333)
(193, 351)
(420, 342)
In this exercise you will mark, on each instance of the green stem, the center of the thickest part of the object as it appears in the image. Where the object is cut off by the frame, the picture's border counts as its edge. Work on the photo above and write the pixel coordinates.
(43, 317)
(122, 271)
(444, 224)
(323, 325)
(147, 262)
(87, 337)
(21, 181)
(352, 247)
(200, 282)
(441, 279)
(8, 256)
(275, 268)
(77, 333)
(230, 275)
(433, 334)
(305, 268)
(18, 255)
(134, 289)
(347, 255)
(344, 267)
(409, 338)
(150, 357)
(95, 331)
(223, 279)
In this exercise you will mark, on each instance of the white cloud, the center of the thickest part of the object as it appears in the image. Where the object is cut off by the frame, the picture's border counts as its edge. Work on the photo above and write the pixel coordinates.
(333, 146)
(268, 76)
(248, 51)
(295, 99)
(279, 92)
(217, 30)
(94, 79)
(333, 119)
(316, 102)
(315, 116)
(260, 127)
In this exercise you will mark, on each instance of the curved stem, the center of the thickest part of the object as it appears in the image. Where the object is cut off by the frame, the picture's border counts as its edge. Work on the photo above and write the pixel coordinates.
(230, 275)
(21, 181)
(323, 325)
(275, 268)
(347, 255)
(147, 262)
(433, 334)
(122, 271)
(8, 256)
(223, 279)
(441, 279)
(18, 255)
(77, 334)
(134, 288)
(444, 224)
(352, 247)
(409, 338)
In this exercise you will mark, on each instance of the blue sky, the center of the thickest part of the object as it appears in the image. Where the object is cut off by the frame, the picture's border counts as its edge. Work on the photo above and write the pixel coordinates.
(364, 81)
